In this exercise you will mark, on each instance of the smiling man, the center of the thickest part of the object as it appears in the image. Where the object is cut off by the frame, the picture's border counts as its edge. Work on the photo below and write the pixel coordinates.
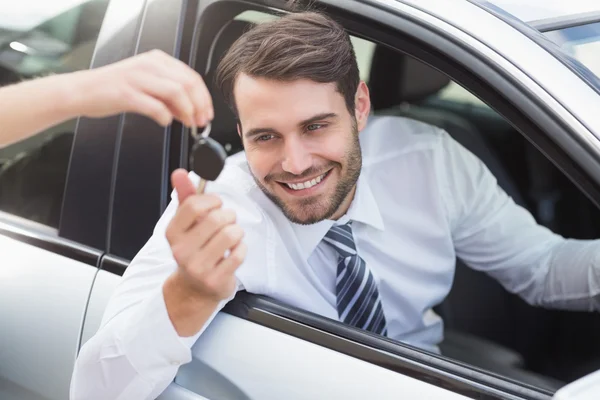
(308, 164)
(357, 220)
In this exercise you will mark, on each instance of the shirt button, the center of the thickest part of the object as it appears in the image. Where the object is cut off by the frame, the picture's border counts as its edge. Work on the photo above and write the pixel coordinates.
(174, 362)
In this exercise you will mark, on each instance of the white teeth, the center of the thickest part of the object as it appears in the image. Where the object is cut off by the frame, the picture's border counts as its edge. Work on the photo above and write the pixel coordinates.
(305, 185)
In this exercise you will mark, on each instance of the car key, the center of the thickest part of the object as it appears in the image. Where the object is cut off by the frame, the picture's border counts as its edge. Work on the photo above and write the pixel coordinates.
(207, 158)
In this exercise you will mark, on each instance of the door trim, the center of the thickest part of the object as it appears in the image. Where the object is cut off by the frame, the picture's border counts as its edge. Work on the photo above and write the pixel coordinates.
(46, 238)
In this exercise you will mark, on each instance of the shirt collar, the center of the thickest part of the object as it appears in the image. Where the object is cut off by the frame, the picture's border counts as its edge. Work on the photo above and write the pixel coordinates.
(363, 209)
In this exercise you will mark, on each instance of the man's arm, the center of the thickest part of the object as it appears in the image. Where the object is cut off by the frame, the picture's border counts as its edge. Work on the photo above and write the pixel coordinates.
(153, 84)
(168, 295)
(493, 234)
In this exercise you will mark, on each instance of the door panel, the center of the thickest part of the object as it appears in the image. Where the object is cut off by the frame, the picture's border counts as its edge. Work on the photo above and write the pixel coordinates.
(238, 359)
(104, 286)
(43, 297)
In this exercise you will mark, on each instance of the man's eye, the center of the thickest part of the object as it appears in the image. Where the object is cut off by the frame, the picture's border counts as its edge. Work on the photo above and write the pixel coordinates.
(264, 138)
(314, 127)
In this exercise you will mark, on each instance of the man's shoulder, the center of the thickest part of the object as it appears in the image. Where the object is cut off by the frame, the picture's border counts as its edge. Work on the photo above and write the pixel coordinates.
(390, 137)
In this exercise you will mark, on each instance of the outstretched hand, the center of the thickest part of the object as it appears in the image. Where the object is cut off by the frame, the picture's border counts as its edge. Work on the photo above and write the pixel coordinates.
(153, 84)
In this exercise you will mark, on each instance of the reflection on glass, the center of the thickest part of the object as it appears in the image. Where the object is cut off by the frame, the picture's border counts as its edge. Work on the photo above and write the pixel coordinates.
(582, 43)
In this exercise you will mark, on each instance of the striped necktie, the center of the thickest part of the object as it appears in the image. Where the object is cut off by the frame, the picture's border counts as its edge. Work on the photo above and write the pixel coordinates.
(358, 301)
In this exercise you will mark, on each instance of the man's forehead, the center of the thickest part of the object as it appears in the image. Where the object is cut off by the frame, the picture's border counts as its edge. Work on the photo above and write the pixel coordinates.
(259, 98)
(246, 85)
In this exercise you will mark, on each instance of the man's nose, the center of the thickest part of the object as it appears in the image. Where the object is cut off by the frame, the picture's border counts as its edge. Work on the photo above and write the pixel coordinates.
(297, 158)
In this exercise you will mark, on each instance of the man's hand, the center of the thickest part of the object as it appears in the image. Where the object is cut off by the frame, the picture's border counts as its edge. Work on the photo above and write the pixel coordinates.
(207, 244)
(153, 84)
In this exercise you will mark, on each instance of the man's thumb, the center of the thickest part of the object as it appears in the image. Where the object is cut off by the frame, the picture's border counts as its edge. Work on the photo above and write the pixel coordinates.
(182, 184)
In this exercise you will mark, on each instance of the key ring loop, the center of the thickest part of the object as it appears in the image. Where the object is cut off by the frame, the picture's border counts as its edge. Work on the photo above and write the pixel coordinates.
(204, 134)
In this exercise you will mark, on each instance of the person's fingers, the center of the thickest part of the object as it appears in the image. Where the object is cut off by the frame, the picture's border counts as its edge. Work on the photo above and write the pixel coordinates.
(195, 238)
(182, 184)
(149, 106)
(225, 239)
(172, 68)
(175, 96)
(236, 257)
(193, 209)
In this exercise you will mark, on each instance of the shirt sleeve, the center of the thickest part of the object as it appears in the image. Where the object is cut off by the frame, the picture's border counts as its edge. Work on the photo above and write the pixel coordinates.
(137, 352)
(492, 233)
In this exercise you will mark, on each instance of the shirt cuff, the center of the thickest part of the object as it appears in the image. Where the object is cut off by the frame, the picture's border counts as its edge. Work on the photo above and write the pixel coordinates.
(151, 343)
(190, 340)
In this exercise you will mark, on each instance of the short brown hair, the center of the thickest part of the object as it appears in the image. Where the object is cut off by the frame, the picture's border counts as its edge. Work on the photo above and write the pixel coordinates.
(304, 45)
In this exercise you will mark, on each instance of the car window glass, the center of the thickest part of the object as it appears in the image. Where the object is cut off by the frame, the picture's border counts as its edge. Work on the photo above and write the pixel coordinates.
(456, 93)
(582, 43)
(38, 40)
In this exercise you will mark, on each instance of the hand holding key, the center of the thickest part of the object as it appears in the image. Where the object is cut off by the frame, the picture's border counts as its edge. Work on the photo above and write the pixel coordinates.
(205, 240)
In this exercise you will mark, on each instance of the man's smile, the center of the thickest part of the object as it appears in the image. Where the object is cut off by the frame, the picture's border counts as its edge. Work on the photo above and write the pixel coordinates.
(307, 186)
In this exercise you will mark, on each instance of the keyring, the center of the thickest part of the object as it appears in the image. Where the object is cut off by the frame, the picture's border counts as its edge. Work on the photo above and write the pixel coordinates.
(203, 134)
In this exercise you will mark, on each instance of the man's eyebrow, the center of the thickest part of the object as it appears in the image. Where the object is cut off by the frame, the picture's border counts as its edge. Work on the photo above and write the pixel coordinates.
(316, 118)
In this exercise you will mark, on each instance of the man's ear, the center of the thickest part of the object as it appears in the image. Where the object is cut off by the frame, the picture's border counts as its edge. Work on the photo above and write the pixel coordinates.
(362, 105)
(239, 129)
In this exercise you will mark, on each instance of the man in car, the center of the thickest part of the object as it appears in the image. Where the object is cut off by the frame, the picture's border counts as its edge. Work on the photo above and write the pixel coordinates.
(354, 219)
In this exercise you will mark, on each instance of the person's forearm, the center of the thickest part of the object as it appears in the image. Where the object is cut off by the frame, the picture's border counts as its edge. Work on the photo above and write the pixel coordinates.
(569, 278)
(32, 106)
(187, 310)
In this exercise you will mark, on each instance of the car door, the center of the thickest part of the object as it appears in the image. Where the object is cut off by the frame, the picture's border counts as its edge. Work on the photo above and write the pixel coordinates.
(48, 267)
(258, 347)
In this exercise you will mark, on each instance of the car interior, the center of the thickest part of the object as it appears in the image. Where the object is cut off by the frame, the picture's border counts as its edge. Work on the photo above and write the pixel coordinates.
(485, 325)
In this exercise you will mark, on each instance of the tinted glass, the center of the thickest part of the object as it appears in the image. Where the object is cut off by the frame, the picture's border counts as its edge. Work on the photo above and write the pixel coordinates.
(36, 41)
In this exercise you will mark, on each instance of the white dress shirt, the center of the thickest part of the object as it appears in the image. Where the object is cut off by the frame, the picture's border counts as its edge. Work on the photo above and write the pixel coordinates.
(421, 201)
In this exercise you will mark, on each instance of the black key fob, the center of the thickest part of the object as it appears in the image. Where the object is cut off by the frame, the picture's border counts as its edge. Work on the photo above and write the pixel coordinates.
(208, 158)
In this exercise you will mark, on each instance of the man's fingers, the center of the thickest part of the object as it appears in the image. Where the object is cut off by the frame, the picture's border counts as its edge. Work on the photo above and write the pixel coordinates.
(169, 91)
(196, 238)
(193, 208)
(236, 257)
(182, 184)
(225, 239)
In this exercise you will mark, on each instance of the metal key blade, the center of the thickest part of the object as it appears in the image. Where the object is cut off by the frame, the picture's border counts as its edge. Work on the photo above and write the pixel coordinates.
(201, 186)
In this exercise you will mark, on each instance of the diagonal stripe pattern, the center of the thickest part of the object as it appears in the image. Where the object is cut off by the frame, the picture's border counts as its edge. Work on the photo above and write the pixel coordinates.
(358, 301)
